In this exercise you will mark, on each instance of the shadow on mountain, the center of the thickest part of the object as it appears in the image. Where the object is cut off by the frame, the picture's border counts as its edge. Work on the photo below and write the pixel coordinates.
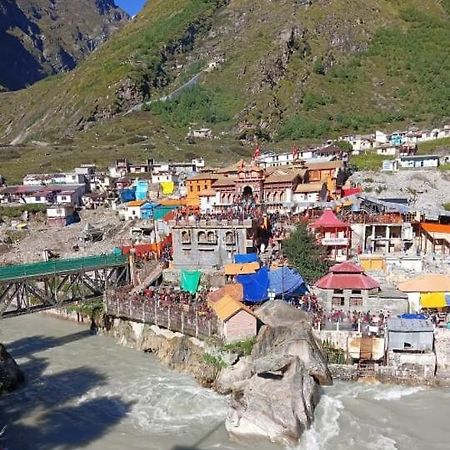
(35, 344)
(58, 410)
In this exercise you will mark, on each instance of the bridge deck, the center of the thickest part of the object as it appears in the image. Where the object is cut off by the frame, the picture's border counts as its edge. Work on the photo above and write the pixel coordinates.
(57, 266)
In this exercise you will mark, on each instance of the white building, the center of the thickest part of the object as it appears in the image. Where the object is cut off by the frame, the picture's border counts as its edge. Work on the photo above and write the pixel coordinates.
(208, 199)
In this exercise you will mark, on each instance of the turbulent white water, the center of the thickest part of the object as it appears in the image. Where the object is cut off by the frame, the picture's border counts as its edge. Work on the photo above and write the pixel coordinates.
(87, 392)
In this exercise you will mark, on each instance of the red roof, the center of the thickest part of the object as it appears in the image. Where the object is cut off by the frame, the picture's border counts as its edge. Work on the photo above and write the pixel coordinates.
(347, 267)
(347, 276)
(329, 220)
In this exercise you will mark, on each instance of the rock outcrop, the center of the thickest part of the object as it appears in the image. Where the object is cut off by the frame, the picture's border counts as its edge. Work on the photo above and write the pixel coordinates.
(10, 374)
(44, 37)
(175, 350)
(274, 391)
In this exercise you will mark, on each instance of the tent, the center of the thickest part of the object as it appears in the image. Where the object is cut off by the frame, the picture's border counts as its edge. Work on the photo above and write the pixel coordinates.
(286, 280)
(434, 300)
(190, 280)
(242, 258)
(255, 285)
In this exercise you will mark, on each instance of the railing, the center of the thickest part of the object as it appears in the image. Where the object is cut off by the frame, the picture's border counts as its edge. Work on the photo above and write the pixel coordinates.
(173, 317)
(18, 271)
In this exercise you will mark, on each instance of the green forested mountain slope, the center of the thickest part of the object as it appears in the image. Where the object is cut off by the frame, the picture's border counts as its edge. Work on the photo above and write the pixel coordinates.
(286, 69)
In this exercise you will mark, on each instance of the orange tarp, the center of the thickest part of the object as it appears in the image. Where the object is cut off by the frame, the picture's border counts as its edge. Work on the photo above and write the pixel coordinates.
(241, 269)
(234, 290)
(435, 227)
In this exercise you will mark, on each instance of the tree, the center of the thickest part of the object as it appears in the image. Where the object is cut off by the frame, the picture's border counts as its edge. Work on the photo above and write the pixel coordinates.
(305, 254)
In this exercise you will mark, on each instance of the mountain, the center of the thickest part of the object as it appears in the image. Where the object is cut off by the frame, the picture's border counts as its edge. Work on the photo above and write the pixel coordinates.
(45, 37)
(278, 70)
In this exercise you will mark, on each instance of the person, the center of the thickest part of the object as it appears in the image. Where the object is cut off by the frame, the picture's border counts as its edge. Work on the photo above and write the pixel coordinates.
(93, 328)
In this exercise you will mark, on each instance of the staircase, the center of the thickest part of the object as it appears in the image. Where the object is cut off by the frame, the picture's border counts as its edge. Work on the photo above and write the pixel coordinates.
(149, 280)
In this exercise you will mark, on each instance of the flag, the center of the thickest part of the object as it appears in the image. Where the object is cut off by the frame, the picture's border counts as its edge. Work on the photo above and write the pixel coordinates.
(257, 152)
(295, 153)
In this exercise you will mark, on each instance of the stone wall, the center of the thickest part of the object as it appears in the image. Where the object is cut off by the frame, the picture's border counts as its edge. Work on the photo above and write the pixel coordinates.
(442, 349)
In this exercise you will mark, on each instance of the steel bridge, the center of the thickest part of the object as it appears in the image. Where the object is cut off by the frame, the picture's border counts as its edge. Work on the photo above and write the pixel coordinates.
(27, 288)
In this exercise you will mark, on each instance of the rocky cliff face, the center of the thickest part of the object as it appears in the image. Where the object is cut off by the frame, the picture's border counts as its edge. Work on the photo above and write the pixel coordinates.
(274, 391)
(45, 37)
(10, 373)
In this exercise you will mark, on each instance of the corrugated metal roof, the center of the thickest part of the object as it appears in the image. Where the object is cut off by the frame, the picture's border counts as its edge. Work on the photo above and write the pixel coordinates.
(408, 325)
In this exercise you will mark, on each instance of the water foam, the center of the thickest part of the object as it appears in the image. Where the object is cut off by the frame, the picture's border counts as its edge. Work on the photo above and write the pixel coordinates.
(378, 392)
(326, 424)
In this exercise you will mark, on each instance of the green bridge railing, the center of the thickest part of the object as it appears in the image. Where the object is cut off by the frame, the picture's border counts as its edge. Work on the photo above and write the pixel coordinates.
(8, 273)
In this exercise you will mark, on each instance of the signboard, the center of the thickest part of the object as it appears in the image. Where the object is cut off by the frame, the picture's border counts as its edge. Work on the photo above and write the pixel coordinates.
(335, 241)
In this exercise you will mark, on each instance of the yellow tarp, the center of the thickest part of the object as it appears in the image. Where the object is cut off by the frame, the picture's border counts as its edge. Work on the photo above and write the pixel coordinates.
(167, 187)
(241, 269)
(433, 300)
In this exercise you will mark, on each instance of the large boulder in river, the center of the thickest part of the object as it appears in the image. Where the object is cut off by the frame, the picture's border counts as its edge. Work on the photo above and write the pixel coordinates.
(274, 391)
(10, 374)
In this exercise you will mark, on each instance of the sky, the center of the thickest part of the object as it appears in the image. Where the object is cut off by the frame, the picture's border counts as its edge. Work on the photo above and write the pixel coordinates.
(132, 7)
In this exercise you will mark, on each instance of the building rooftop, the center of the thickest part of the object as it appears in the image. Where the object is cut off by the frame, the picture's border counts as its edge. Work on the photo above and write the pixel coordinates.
(309, 187)
(408, 325)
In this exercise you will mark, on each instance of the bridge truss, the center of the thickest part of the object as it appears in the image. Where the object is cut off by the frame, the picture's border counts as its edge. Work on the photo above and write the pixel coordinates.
(29, 294)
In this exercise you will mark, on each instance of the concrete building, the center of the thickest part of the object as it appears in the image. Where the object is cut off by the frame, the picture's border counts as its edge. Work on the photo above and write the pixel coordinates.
(237, 322)
(333, 234)
(60, 215)
(419, 162)
(347, 287)
(205, 246)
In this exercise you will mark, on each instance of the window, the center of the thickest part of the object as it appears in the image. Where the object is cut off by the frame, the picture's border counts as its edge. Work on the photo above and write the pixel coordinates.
(356, 301)
(191, 188)
(201, 237)
(185, 237)
(198, 188)
(338, 291)
(338, 301)
(229, 238)
(356, 291)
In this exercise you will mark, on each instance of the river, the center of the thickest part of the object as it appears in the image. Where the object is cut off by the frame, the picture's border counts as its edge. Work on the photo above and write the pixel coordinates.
(87, 392)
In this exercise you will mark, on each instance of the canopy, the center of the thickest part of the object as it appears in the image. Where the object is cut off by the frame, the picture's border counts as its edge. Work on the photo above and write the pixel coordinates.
(241, 269)
(434, 300)
(255, 285)
(286, 280)
(245, 258)
(190, 280)
(427, 283)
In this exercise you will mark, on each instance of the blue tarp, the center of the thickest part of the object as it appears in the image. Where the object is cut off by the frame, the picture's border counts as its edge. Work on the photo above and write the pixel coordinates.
(127, 195)
(255, 285)
(286, 280)
(413, 316)
(141, 189)
(243, 258)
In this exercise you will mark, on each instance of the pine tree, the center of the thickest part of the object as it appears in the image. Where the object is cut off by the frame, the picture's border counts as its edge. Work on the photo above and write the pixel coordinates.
(303, 252)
